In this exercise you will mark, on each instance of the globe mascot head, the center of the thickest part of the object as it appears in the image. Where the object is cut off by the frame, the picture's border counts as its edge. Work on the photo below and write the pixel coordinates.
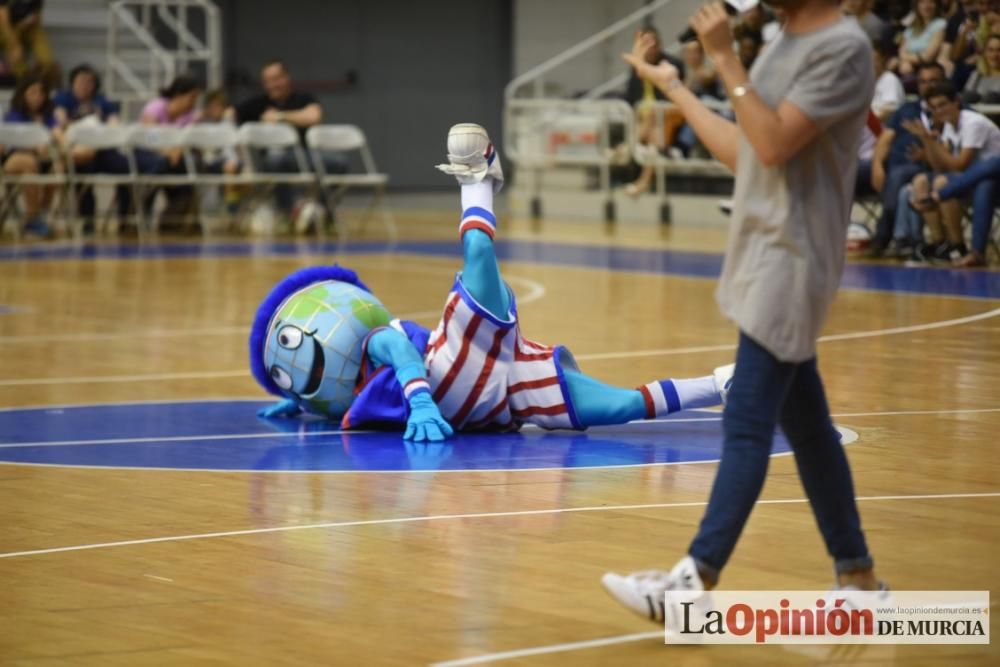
(306, 339)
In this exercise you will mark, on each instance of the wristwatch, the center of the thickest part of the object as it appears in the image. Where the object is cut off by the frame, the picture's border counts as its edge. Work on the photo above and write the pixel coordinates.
(741, 90)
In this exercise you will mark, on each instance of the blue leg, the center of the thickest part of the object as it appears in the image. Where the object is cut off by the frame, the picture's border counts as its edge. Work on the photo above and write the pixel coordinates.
(599, 404)
(480, 271)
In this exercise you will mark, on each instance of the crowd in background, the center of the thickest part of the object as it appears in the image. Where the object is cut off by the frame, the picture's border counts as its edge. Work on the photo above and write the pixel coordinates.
(38, 98)
(926, 154)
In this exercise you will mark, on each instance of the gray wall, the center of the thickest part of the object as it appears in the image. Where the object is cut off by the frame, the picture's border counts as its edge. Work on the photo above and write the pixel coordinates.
(422, 66)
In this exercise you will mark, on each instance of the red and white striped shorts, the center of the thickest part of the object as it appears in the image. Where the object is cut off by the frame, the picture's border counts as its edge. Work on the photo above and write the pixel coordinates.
(485, 376)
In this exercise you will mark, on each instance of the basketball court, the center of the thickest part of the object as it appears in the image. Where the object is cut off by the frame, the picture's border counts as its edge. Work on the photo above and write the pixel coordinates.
(151, 518)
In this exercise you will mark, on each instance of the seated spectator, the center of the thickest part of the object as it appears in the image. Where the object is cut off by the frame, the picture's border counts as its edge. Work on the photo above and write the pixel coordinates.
(984, 83)
(175, 106)
(641, 94)
(922, 39)
(22, 35)
(31, 104)
(968, 136)
(702, 80)
(899, 157)
(958, 51)
(889, 94)
(281, 103)
(227, 161)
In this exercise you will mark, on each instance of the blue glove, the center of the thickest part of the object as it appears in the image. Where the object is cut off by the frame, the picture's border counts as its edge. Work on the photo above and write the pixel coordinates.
(426, 422)
(283, 408)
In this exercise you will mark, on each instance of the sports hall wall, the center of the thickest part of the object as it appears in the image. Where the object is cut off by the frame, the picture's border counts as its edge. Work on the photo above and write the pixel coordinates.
(421, 66)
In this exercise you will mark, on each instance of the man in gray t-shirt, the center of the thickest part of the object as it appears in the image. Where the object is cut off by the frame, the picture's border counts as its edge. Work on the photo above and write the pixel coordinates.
(799, 117)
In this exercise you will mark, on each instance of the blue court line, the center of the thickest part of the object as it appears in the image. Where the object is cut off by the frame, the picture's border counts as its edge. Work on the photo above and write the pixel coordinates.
(877, 277)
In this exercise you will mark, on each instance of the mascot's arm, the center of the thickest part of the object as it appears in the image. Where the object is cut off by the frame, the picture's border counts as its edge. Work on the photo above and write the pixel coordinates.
(392, 348)
(283, 408)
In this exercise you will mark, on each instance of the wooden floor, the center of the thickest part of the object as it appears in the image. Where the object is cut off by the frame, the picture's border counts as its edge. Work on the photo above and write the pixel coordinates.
(924, 401)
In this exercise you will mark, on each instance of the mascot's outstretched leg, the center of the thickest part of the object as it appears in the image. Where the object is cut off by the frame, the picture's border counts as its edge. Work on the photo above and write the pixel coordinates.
(475, 163)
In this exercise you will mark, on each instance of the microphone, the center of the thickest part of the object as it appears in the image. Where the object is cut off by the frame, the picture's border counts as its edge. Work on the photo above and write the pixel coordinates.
(733, 7)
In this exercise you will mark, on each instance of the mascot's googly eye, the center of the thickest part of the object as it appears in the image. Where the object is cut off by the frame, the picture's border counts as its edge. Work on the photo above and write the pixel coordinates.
(281, 378)
(290, 337)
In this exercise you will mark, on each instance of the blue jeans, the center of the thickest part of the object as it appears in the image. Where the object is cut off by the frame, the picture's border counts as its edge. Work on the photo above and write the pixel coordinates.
(909, 223)
(896, 176)
(981, 180)
(766, 392)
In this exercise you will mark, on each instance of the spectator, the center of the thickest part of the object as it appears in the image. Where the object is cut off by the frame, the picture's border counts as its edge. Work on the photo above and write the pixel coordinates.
(83, 99)
(923, 38)
(959, 47)
(176, 107)
(83, 102)
(984, 83)
(898, 155)
(968, 136)
(889, 93)
(21, 35)
(226, 161)
(888, 97)
(749, 48)
(31, 104)
(875, 27)
(702, 80)
(281, 103)
(176, 103)
(641, 94)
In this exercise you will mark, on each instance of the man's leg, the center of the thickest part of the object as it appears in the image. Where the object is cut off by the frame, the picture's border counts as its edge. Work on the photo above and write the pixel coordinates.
(826, 476)
(959, 185)
(895, 179)
(281, 162)
(758, 392)
(983, 199)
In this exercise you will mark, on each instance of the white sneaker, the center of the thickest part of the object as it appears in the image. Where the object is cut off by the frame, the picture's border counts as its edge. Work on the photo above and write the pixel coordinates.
(643, 592)
(724, 380)
(471, 156)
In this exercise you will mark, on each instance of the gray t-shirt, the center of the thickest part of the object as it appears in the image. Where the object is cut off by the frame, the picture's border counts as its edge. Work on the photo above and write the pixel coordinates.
(789, 224)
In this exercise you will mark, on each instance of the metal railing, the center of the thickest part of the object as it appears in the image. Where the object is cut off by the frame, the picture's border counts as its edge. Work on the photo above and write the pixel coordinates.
(151, 41)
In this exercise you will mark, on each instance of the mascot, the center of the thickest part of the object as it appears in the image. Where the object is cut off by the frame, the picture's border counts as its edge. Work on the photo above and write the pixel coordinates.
(324, 343)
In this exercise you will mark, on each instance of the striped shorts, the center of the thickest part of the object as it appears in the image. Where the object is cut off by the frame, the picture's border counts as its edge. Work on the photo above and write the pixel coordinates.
(485, 376)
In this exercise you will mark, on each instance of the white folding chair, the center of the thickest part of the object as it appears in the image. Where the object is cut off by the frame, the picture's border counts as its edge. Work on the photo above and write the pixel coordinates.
(202, 138)
(159, 139)
(96, 137)
(26, 137)
(347, 139)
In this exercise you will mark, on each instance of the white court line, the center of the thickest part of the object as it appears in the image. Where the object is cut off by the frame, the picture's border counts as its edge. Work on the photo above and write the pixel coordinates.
(534, 291)
(313, 434)
(156, 377)
(449, 517)
(554, 648)
(822, 339)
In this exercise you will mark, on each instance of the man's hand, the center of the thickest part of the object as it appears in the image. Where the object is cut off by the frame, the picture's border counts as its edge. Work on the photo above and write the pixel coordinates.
(711, 23)
(916, 127)
(271, 115)
(662, 75)
(425, 422)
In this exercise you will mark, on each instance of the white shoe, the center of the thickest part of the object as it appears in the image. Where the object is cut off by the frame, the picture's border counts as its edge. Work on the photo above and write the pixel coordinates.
(644, 592)
(472, 157)
(723, 376)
